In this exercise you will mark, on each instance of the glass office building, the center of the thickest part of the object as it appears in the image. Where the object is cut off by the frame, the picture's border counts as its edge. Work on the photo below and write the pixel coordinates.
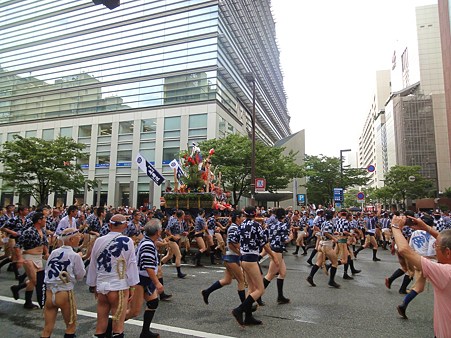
(149, 77)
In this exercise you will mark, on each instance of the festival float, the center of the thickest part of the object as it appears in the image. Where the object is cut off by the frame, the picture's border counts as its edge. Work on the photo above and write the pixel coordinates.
(196, 184)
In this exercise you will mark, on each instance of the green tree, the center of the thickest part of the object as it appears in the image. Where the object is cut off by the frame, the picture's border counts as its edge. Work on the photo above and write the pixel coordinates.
(407, 182)
(350, 198)
(384, 195)
(39, 167)
(233, 159)
(371, 195)
(447, 192)
(323, 175)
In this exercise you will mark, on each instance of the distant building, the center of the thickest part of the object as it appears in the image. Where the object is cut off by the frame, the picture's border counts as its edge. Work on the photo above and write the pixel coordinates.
(444, 10)
(295, 143)
(373, 135)
(433, 83)
(410, 129)
(413, 125)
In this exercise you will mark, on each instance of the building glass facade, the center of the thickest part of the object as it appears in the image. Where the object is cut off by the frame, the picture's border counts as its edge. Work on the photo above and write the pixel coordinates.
(149, 77)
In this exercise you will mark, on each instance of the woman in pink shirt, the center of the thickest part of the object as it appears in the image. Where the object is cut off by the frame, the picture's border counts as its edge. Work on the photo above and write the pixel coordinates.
(438, 273)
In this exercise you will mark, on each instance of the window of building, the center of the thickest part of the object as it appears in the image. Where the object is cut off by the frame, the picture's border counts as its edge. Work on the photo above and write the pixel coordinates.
(171, 150)
(47, 134)
(221, 126)
(148, 125)
(126, 127)
(172, 123)
(84, 162)
(197, 132)
(197, 139)
(124, 156)
(30, 133)
(103, 158)
(10, 137)
(84, 131)
(172, 127)
(104, 148)
(66, 132)
(105, 129)
(198, 121)
(148, 154)
(197, 125)
(148, 129)
(230, 129)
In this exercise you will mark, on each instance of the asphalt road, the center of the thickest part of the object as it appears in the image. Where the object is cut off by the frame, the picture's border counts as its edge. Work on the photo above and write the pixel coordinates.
(361, 308)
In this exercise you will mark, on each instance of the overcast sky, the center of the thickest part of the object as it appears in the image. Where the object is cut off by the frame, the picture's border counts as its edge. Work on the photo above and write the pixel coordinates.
(330, 52)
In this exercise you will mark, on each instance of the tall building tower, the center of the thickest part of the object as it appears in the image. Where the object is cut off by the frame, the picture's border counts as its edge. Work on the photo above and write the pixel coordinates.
(433, 83)
(444, 10)
(410, 130)
(373, 137)
(150, 77)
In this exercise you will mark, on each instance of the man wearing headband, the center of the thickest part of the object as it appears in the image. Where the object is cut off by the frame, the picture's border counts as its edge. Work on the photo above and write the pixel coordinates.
(64, 267)
(149, 286)
(114, 273)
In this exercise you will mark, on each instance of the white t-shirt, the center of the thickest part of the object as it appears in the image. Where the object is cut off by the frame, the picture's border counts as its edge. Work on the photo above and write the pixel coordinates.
(65, 223)
(423, 243)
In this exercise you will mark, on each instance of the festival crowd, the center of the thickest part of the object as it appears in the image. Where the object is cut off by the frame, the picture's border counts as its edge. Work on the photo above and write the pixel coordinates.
(122, 253)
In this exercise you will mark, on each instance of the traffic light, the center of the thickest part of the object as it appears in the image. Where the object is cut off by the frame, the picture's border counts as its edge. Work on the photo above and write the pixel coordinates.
(110, 4)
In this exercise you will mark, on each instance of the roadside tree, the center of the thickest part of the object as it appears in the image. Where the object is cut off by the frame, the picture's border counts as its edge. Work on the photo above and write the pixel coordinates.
(323, 174)
(232, 159)
(39, 167)
(406, 182)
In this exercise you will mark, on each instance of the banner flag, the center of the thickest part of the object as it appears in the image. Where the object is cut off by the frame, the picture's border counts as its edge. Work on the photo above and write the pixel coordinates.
(149, 169)
(175, 165)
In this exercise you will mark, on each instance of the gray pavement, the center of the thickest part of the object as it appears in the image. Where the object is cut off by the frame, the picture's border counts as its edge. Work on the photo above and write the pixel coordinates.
(362, 307)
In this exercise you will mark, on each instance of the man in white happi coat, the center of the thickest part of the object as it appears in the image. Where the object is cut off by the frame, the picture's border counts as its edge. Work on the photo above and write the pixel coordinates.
(64, 267)
(114, 274)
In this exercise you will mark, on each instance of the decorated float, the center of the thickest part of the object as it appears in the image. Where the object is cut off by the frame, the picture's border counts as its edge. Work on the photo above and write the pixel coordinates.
(196, 184)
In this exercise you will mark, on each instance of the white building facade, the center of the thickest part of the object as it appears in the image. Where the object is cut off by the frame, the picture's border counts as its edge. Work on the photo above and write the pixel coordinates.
(372, 142)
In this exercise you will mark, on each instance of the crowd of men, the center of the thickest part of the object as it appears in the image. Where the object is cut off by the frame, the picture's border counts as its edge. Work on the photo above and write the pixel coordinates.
(121, 251)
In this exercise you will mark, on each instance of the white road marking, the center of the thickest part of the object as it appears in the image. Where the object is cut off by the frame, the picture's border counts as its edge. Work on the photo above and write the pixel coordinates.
(205, 266)
(139, 323)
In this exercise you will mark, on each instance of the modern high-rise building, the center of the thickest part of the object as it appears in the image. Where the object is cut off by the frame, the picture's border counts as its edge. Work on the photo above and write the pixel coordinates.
(444, 12)
(433, 83)
(373, 133)
(150, 77)
(413, 126)
(409, 125)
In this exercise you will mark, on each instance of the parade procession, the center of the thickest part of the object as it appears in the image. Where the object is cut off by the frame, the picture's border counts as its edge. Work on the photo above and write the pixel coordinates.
(120, 253)
(225, 168)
